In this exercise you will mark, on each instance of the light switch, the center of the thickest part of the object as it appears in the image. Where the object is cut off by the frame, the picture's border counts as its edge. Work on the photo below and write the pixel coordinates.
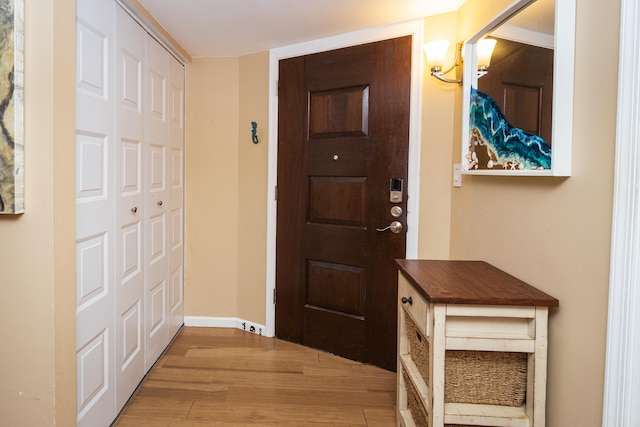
(457, 175)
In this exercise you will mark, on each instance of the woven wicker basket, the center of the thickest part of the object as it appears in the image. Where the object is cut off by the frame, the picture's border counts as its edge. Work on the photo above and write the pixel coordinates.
(481, 377)
(418, 349)
(414, 404)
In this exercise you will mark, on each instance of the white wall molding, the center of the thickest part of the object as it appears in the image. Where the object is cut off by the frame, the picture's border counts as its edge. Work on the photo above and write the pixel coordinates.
(522, 35)
(224, 322)
(412, 28)
(622, 370)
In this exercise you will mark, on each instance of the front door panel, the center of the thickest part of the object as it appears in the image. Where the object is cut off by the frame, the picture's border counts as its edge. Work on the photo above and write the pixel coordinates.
(343, 135)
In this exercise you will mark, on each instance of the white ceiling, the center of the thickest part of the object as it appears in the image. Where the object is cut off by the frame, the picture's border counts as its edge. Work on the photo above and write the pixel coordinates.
(537, 17)
(210, 28)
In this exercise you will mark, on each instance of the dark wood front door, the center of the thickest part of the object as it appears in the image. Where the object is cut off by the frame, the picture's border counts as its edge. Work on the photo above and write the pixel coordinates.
(343, 131)
(520, 80)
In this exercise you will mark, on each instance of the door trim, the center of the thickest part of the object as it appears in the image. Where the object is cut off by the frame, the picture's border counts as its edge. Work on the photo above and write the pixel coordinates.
(623, 325)
(412, 28)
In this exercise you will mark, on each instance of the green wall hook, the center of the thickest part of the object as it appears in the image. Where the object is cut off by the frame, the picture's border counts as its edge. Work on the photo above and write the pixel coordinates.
(254, 132)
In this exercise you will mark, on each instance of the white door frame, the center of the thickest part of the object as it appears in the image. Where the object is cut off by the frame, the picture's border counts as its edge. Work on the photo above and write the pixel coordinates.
(412, 28)
(622, 370)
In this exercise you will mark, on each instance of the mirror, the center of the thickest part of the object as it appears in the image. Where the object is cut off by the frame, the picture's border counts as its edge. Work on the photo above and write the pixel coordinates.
(517, 119)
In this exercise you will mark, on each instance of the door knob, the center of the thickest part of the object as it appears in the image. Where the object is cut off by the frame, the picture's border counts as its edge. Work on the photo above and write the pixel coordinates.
(406, 300)
(134, 209)
(395, 227)
(159, 202)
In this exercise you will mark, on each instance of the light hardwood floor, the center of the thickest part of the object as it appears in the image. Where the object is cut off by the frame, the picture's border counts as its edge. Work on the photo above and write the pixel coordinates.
(228, 377)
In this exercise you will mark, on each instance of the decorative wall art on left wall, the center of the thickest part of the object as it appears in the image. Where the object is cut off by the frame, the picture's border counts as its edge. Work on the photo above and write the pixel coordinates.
(11, 107)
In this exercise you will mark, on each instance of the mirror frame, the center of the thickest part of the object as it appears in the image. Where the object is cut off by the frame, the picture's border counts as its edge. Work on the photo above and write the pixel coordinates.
(563, 82)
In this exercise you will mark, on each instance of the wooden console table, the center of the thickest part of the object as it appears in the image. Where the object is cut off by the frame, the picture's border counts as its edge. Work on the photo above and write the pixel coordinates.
(472, 346)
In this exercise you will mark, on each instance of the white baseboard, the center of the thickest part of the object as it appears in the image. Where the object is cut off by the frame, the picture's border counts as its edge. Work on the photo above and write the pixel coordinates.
(225, 322)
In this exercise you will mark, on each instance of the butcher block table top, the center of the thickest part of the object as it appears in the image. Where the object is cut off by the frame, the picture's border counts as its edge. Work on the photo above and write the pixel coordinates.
(470, 282)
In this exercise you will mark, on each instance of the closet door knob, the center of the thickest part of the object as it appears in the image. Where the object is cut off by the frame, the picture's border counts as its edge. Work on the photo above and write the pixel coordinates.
(159, 202)
(407, 300)
(134, 209)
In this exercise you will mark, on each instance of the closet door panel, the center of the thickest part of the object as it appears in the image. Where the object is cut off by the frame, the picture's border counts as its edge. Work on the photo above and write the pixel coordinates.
(95, 228)
(129, 211)
(176, 245)
(157, 200)
(130, 208)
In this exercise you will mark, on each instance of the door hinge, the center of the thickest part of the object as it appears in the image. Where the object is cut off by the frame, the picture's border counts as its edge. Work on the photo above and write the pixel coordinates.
(277, 87)
(274, 295)
(275, 197)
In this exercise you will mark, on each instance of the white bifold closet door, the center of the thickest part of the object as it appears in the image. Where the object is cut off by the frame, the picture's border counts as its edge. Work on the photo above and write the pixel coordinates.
(175, 172)
(129, 206)
(157, 201)
(95, 221)
(164, 202)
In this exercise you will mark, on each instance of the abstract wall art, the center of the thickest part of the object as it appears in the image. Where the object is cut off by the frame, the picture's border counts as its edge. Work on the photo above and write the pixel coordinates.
(495, 144)
(517, 117)
(11, 107)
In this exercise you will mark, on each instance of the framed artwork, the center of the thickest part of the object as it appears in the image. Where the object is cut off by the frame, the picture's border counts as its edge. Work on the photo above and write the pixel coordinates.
(518, 114)
(11, 107)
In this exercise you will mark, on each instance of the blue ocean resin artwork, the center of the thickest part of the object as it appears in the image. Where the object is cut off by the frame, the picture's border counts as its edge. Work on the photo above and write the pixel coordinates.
(495, 144)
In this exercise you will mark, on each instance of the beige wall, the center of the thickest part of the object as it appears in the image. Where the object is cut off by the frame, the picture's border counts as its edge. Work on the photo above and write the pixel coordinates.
(62, 110)
(37, 332)
(212, 190)
(226, 187)
(252, 179)
(555, 233)
(551, 232)
(436, 155)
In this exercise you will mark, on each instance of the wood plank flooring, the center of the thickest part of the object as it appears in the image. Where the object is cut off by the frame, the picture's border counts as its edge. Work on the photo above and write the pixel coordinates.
(228, 377)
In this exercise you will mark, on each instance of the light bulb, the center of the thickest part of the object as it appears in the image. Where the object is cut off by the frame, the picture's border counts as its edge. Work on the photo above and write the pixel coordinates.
(435, 52)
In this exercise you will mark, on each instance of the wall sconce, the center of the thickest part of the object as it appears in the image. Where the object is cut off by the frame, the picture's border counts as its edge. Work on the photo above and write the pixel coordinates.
(436, 52)
(485, 50)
